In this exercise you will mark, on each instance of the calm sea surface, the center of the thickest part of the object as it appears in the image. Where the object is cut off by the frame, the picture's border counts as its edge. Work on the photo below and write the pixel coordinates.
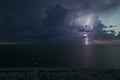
(92, 56)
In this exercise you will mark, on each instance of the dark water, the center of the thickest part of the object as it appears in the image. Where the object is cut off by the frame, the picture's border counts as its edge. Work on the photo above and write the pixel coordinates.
(92, 56)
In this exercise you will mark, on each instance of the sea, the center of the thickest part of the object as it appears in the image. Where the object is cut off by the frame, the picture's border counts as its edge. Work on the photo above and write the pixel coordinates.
(60, 56)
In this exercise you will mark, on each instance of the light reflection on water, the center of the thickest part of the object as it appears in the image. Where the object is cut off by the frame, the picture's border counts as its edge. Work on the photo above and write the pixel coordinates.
(97, 57)
(84, 56)
(87, 60)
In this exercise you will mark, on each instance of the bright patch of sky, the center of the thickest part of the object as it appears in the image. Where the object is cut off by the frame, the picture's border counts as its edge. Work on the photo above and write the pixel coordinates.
(111, 18)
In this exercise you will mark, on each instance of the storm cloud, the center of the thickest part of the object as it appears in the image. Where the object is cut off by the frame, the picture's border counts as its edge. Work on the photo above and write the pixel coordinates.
(24, 19)
(99, 5)
(95, 5)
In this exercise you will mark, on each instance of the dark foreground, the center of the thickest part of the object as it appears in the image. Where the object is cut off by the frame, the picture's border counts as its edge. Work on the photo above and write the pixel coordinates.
(54, 56)
(58, 74)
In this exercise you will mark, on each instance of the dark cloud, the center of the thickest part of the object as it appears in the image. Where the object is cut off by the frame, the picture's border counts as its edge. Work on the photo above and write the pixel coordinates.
(29, 19)
(54, 19)
(55, 15)
(99, 5)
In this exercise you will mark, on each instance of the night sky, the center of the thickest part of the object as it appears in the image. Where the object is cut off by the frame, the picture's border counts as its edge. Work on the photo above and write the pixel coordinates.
(51, 21)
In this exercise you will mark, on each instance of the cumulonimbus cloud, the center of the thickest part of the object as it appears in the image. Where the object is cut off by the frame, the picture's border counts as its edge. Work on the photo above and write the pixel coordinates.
(99, 5)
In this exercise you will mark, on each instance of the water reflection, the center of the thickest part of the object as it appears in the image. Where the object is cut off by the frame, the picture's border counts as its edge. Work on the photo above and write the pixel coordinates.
(88, 59)
(82, 56)
(99, 57)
